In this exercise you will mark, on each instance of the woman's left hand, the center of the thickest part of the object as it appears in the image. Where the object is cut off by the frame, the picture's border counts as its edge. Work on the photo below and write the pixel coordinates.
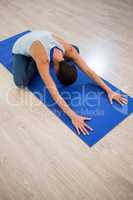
(117, 97)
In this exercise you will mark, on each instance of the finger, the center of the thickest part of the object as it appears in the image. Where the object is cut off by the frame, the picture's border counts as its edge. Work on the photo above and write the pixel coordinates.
(78, 131)
(124, 96)
(86, 118)
(83, 130)
(124, 100)
(91, 129)
(118, 100)
(110, 100)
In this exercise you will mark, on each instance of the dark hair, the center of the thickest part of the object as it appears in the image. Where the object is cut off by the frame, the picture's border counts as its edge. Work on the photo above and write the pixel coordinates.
(67, 73)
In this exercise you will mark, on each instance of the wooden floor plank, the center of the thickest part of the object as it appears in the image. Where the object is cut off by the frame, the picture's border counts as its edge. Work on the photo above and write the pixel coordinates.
(39, 162)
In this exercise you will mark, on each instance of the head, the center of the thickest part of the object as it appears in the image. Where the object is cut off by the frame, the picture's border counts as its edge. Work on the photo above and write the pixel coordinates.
(67, 73)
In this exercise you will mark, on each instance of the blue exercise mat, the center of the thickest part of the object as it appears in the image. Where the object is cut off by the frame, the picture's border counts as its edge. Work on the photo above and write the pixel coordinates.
(84, 97)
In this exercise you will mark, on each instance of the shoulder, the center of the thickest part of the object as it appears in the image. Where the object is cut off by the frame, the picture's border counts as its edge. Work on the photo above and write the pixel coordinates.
(38, 52)
(67, 46)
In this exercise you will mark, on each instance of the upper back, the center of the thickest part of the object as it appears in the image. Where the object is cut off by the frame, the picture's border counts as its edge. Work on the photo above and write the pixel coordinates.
(23, 44)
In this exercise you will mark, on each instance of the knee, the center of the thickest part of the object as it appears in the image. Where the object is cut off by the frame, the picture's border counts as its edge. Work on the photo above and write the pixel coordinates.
(20, 82)
(23, 77)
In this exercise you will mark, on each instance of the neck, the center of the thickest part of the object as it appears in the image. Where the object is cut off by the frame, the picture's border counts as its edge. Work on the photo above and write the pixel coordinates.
(56, 66)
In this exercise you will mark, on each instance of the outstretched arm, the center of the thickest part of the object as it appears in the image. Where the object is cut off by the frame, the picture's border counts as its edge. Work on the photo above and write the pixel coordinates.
(72, 53)
(40, 56)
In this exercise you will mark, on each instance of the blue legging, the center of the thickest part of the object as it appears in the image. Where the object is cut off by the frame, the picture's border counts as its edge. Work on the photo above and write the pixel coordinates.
(25, 67)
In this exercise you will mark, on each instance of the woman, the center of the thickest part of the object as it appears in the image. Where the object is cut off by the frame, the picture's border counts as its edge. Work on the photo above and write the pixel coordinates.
(32, 53)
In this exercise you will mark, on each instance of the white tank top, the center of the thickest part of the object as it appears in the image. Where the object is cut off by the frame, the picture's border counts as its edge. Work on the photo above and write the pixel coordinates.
(23, 44)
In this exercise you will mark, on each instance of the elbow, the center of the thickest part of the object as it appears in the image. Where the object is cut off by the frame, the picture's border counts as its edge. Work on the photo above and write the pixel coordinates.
(43, 61)
(71, 50)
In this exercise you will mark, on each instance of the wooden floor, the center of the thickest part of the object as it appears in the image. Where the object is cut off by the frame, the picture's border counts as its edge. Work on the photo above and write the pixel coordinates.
(40, 158)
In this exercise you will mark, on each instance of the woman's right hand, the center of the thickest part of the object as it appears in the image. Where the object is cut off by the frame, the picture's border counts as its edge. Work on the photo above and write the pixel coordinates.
(80, 124)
